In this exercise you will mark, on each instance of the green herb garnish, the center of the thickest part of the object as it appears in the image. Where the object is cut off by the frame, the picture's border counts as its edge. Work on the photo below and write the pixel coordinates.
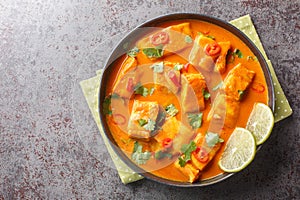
(154, 52)
(138, 156)
(171, 110)
(253, 58)
(187, 150)
(188, 39)
(142, 122)
(139, 89)
(150, 126)
(106, 105)
(158, 67)
(178, 66)
(195, 120)
(133, 52)
(206, 94)
(212, 139)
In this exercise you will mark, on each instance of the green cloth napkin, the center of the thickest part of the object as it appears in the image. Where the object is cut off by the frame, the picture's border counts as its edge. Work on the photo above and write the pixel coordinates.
(90, 88)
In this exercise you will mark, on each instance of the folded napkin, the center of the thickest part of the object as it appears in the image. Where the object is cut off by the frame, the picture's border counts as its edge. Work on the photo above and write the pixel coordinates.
(90, 88)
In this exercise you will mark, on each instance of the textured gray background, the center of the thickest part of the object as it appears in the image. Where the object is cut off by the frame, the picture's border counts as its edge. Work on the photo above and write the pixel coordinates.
(43, 45)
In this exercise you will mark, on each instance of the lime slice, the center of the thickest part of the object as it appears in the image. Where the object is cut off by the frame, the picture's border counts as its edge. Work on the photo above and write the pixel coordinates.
(239, 151)
(260, 122)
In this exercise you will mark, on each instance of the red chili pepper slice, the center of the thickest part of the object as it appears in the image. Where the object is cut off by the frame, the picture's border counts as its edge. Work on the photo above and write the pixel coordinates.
(201, 154)
(186, 67)
(173, 78)
(258, 87)
(130, 85)
(212, 49)
(119, 119)
(159, 38)
(167, 143)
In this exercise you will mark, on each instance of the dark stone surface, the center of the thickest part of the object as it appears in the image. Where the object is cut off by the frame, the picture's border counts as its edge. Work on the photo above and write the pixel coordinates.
(43, 45)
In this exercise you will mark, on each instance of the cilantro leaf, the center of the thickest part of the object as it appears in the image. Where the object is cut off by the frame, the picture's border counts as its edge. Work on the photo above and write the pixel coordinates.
(206, 94)
(171, 110)
(150, 126)
(142, 122)
(212, 139)
(178, 66)
(133, 52)
(187, 150)
(188, 39)
(138, 156)
(106, 105)
(154, 52)
(158, 67)
(195, 120)
(238, 53)
(139, 89)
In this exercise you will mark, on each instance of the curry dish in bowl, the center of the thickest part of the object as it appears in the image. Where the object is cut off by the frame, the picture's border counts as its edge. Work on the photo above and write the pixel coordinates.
(174, 90)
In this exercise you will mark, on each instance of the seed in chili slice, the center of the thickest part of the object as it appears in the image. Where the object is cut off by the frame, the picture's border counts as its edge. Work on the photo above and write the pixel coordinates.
(159, 38)
(173, 78)
(201, 154)
(212, 49)
(167, 143)
(119, 119)
(130, 85)
(258, 87)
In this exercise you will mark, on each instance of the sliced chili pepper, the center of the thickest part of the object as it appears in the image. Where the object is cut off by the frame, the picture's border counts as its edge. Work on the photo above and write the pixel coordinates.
(212, 49)
(186, 67)
(159, 38)
(201, 154)
(173, 78)
(258, 87)
(167, 143)
(130, 85)
(119, 119)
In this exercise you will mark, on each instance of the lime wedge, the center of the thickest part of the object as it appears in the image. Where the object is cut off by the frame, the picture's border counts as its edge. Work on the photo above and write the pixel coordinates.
(239, 151)
(260, 122)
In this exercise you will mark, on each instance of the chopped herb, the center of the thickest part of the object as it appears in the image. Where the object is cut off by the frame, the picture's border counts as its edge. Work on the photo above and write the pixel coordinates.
(206, 94)
(188, 39)
(212, 139)
(106, 105)
(142, 122)
(211, 37)
(158, 67)
(241, 93)
(161, 154)
(232, 54)
(138, 156)
(171, 110)
(150, 126)
(253, 58)
(218, 86)
(115, 96)
(238, 53)
(133, 52)
(154, 52)
(187, 150)
(178, 66)
(195, 120)
(139, 89)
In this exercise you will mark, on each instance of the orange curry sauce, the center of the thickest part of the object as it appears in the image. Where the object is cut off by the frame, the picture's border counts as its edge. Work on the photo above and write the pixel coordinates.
(211, 170)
